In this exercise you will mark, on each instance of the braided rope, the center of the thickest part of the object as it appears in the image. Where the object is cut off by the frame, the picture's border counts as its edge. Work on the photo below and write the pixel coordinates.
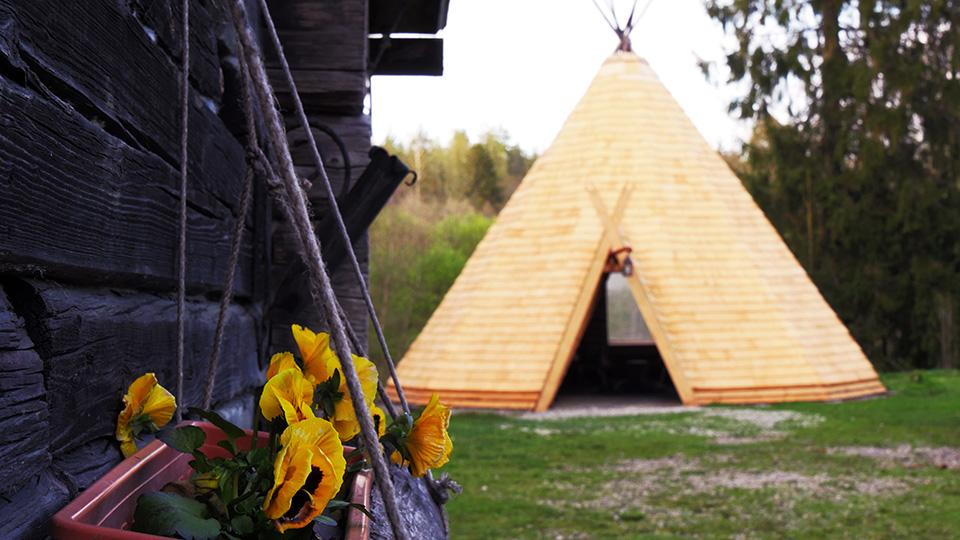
(182, 240)
(320, 285)
(334, 208)
(227, 295)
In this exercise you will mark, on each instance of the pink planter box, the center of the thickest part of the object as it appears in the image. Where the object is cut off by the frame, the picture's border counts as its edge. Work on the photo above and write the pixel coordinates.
(104, 511)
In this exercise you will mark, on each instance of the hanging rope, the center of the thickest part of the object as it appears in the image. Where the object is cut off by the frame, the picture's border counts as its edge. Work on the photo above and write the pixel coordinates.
(334, 209)
(227, 296)
(321, 288)
(603, 14)
(182, 245)
(357, 346)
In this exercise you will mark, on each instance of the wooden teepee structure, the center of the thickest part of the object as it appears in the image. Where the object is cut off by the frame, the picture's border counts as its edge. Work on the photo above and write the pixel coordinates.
(734, 316)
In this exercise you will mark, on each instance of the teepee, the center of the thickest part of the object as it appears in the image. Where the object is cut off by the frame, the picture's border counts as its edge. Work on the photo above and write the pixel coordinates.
(630, 185)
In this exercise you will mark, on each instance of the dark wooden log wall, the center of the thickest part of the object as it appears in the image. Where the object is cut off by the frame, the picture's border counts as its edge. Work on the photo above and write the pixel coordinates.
(89, 186)
(88, 233)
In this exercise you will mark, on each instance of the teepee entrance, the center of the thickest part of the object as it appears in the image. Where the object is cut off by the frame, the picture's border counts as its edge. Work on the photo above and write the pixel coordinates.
(617, 356)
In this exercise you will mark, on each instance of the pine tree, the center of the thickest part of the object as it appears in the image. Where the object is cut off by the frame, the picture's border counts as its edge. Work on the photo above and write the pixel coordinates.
(855, 157)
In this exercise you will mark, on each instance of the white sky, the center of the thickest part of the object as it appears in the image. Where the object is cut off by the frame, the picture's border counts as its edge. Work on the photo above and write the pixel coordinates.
(522, 65)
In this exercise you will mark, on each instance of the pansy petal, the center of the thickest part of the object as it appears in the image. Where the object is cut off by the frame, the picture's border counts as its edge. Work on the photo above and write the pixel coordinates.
(280, 362)
(159, 406)
(315, 442)
(287, 386)
(315, 352)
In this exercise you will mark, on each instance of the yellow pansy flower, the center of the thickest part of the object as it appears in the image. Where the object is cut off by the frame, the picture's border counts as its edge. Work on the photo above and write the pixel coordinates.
(315, 352)
(344, 415)
(280, 362)
(428, 442)
(320, 363)
(146, 405)
(379, 419)
(288, 394)
(307, 473)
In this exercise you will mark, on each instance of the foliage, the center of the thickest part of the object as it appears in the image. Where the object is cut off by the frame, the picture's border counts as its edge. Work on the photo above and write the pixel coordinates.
(685, 474)
(243, 488)
(854, 158)
(484, 173)
(423, 238)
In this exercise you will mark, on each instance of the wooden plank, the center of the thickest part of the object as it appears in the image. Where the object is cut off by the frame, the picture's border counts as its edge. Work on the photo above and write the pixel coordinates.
(161, 21)
(637, 288)
(407, 56)
(353, 131)
(311, 15)
(579, 318)
(323, 91)
(329, 47)
(411, 17)
(96, 341)
(105, 66)
(82, 205)
(23, 411)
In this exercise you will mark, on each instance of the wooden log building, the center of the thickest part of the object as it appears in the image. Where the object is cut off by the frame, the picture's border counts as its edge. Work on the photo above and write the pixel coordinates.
(89, 161)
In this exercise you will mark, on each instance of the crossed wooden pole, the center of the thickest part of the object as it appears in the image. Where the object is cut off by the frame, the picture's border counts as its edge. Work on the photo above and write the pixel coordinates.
(619, 259)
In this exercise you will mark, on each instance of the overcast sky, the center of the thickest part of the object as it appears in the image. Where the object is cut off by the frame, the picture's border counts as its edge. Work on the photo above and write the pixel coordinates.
(522, 65)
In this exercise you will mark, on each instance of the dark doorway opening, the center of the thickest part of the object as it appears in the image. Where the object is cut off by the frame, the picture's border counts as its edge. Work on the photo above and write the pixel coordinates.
(616, 356)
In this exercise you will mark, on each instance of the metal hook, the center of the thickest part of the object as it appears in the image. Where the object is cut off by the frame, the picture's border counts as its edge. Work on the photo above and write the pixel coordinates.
(413, 180)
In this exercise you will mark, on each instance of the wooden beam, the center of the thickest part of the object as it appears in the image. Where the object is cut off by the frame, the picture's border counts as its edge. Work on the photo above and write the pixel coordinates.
(615, 239)
(323, 91)
(407, 56)
(23, 422)
(579, 318)
(415, 16)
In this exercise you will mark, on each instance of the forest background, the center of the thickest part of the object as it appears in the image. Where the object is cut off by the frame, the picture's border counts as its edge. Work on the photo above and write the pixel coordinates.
(854, 158)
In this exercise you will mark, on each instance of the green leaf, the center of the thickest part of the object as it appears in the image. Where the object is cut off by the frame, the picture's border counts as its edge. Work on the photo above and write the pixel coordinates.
(337, 504)
(230, 429)
(259, 457)
(242, 525)
(200, 464)
(326, 520)
(186, 439)
(229, 446)
(168, 514)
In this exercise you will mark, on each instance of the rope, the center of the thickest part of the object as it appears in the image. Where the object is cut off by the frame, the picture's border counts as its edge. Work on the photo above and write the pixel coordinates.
(227, 296)
(182, 247)
(357, 346)
(605, 18)
(334, 208)
(320, 282)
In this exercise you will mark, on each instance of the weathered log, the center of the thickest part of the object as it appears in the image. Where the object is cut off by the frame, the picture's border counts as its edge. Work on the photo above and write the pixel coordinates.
(312, 15)
(354, 131)
(103, 64)
(336, 27)
(94, 342)
(24, 515)
(23, 411)
(422, 518)
(82, 205)
(161, 21)
(323, 91)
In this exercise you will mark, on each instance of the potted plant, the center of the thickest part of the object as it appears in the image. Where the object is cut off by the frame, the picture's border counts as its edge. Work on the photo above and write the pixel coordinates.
(214, 480)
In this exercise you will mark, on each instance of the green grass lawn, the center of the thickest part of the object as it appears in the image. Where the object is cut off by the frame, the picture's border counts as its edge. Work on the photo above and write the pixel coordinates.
(879, 468)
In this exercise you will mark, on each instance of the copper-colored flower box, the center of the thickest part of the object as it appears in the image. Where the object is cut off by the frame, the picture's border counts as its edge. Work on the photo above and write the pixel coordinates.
(104, 511)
